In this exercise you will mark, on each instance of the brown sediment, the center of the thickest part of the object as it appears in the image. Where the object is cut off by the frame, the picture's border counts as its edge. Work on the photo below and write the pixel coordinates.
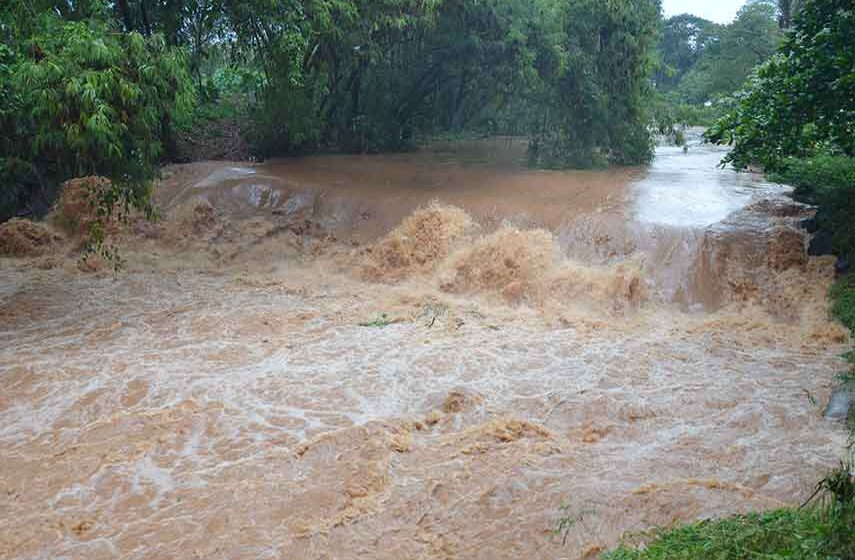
(191, 220)
(418, 245)
(23, 238)
(508, 262)
(460, 400)
(364, 197)
(78, 205)
(786, 248)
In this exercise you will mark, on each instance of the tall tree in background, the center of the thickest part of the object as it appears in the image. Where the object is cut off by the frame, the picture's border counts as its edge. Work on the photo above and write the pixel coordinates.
(787, 9)
(602, 86)
(730, 56)
(683, 40)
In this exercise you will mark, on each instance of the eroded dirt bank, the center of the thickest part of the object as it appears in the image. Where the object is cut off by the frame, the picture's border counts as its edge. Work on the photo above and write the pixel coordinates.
(272, 378)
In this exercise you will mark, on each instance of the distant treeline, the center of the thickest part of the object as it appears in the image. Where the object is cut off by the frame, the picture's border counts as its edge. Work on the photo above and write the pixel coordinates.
(701, 63)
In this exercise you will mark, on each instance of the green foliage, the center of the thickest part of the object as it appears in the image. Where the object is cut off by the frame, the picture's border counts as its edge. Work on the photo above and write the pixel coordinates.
(701, 62)
(732, 53)
(669, 113)
(81, 99)
(821, 531)
(367, 76)
(782, 534)
(827, 182)
(777, 534)
(386, 73)
(763, 126)
(843, 301)
(802, 102)
(683, 40)
(816, 178)
(602, 82)
(382, 321)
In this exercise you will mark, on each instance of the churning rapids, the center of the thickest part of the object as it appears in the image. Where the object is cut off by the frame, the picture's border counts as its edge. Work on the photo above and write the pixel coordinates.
(428, 355)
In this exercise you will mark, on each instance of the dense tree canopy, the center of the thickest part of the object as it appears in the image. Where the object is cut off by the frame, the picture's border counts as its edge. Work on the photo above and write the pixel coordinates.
(601, 85)
(801, 102)
(683, 40)
(78, 99)
(703, 61)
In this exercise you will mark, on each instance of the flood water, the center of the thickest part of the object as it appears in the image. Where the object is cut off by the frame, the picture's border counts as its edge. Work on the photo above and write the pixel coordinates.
(691, 189)
(427, 355)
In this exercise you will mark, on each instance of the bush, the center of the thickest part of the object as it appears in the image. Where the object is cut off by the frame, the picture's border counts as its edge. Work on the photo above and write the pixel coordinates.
(670, 113)
(843, 301)
(799, 103)
(81, 99)
(813, 176)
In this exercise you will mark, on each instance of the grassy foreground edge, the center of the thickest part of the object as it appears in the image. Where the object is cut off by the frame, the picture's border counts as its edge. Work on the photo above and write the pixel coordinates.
(823, 529)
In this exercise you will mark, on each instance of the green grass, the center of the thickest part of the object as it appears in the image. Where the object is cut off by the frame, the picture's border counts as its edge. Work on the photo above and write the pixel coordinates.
(843, 300)
(382, 321)
(778, 534)
(823, 530)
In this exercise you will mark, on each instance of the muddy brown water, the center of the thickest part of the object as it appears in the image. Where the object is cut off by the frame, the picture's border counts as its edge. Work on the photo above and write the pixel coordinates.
(311, 359)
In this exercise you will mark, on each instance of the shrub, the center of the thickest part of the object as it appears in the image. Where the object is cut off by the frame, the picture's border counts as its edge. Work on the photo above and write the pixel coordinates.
(81, 99)
(799, 103)
(812, 176)
(843, 301)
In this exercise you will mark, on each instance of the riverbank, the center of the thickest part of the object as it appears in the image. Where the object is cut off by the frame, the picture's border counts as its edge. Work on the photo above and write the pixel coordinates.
(824, 528)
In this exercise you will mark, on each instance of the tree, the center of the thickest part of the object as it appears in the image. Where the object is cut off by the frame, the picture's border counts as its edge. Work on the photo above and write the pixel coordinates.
(81, 99)
(602, 82)
(683, 40)
(729, 57)
(802, 102)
